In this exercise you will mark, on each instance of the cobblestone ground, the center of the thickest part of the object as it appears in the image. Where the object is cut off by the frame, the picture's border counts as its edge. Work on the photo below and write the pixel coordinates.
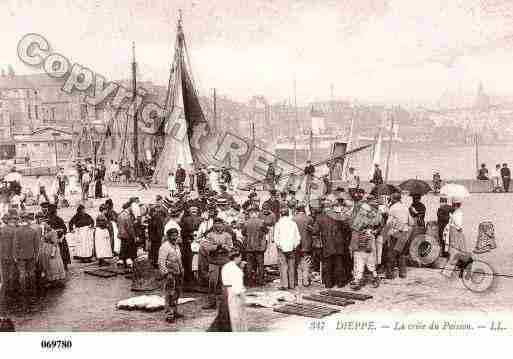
(88, 303)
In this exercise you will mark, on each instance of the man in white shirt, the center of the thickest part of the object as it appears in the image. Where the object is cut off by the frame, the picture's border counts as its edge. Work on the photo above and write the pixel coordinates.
(287, 238)
(399, 231)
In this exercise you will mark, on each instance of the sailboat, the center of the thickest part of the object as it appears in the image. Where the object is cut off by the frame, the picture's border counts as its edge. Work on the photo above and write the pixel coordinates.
(186, 117)
(315, 144)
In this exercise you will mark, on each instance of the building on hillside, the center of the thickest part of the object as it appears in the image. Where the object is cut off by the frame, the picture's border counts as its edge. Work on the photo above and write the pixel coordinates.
(45, 147)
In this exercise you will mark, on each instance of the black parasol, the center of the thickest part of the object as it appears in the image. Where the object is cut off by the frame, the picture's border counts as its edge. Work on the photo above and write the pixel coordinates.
(415, 186)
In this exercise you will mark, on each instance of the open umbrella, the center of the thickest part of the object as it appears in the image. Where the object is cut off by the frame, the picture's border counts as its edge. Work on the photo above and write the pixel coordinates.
(415, 186)
(384, 190)
(455, 190)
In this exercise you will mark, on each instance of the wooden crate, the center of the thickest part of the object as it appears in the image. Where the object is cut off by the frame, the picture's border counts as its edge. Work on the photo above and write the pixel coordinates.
(306, 310)
(341, 302)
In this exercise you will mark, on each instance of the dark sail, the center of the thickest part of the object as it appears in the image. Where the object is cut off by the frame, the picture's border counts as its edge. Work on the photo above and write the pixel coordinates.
(192, 109)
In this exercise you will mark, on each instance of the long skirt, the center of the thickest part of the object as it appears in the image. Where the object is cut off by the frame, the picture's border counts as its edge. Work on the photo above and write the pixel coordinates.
(50, 262)
(84, 242)
(98, 189)
(237, 312)
(65, 253)
(222, 322)
(102, 243)
(74, 185)
(271, 253)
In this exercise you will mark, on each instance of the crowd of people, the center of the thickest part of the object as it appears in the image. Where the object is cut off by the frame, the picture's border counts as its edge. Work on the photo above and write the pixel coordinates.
(200, 234)
(500, 177)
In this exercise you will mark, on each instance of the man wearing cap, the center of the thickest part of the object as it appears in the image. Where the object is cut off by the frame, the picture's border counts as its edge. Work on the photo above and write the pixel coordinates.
(270, 177)
(366, 226)
(156, 230)
(25, 249)
(189, 224)
(335, 235)
(204, 228)
(377, 177)
(252, 201)
(225, 195)
(273, 203)
(309, 174)
(353, 181)
(255, 244)
(292, 202)
(201, 180)
(443, 214)
(304, 250)
(398, 234)
(171, 269)
(7, 234)
(191, 181)
(127, 236)
(287, 238)
(180, 177)
(217, 245)
(269, 220)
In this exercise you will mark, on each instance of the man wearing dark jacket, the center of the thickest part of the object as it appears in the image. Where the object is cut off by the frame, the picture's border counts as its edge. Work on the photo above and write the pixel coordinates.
(180, 177)
(25, 250)
(443, 215)
(127, 236)
(273, 204)
(506, 176)
(377, 177)
(7, 265)
(217, 246)
(201, 181)
(304, 250)
(335, 235)
(189, 224)
(156, 231)
(254, 246)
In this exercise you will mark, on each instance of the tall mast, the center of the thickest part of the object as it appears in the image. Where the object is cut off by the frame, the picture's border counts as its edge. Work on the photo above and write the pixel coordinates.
(389, 149)
(215, 111)
(297, 124)
(295, 103)
(134, 96)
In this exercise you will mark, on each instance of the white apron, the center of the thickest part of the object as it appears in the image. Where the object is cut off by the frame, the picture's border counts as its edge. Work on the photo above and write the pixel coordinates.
(102, 243)
(85, 242)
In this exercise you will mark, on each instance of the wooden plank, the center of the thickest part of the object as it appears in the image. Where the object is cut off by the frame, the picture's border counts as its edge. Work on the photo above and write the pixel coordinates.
(346, 295)
(341, 302)
(298, 311)
(316, 308)
(307, 310)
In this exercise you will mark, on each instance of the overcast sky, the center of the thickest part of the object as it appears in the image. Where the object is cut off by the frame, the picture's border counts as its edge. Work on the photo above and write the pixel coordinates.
(397, 51)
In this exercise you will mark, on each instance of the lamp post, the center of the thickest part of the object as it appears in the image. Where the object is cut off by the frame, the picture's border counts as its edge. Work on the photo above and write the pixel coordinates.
(55, 135)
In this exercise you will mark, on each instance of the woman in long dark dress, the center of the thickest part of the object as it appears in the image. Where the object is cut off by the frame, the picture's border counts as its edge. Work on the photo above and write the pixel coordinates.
(57, 224)
(98, 190)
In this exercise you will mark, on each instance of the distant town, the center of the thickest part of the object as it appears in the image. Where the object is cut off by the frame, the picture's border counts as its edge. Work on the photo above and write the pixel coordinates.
(39, 123)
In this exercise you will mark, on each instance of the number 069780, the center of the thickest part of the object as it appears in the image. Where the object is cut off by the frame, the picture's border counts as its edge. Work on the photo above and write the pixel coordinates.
(56, 344)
